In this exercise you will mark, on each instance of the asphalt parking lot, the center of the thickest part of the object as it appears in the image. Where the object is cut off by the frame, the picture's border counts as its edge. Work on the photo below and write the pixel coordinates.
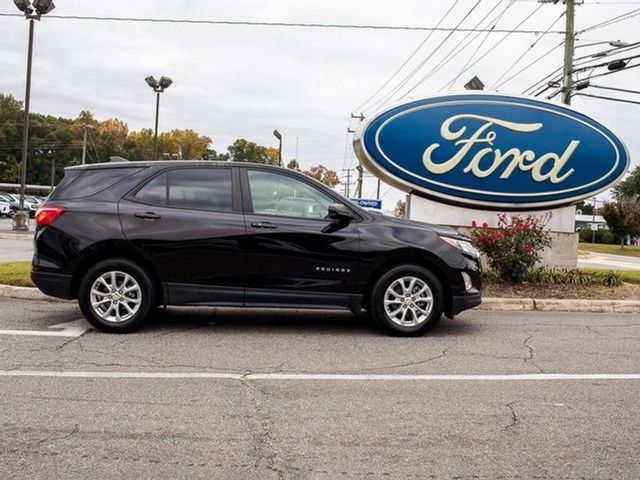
(206, 393)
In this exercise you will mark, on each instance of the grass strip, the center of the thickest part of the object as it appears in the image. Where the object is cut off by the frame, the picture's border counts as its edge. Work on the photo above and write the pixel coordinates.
(627, 251)
(16, 273)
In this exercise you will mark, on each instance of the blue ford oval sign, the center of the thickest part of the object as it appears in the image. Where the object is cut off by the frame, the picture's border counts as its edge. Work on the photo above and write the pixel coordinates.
(492, 151)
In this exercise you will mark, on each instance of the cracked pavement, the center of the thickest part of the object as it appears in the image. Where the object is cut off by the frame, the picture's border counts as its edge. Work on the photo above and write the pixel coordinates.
(273, 429)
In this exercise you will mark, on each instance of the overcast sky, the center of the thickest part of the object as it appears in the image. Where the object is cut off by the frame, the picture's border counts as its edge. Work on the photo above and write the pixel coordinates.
(244, 81)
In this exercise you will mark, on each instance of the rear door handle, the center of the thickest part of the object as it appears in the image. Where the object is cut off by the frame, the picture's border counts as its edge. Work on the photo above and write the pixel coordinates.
(147, 215)
(265, 225)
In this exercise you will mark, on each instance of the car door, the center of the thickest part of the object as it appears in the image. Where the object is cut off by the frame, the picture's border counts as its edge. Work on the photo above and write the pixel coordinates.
(189, 223)
(295, 253)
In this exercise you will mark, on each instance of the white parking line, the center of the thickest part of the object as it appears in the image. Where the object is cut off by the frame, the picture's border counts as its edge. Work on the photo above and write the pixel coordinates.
(320, 376)
(69, 329)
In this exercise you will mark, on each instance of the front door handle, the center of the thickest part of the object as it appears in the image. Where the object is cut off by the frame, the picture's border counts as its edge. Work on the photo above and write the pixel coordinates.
(147, 215)
(265, 225)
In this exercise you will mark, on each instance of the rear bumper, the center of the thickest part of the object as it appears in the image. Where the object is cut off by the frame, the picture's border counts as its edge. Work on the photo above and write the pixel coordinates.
(464, 302)
(53, 284)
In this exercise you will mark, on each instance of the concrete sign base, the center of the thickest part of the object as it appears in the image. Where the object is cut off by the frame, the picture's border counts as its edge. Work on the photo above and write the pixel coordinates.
(564, 244)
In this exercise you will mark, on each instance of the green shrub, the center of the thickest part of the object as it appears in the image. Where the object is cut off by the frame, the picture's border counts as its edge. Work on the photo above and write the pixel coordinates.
(602, 236)
(514, 247)
(607, 237)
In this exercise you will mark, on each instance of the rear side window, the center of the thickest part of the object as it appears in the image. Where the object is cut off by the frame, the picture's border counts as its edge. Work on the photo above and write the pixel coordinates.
(194, 188)
(83, 183)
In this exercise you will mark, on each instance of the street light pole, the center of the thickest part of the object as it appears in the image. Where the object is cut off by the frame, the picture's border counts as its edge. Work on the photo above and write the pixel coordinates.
(32, 10)
(277, 134)
(158, 86)
(155, 136)
(20, 219)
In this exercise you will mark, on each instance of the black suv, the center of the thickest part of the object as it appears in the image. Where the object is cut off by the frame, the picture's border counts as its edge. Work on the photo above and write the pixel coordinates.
(124, 238)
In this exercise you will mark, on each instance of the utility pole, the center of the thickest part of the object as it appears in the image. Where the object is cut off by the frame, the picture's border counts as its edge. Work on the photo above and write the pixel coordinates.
(378, 191)
(359, 183)
(84, 145)
(567, 72)
(347, 185)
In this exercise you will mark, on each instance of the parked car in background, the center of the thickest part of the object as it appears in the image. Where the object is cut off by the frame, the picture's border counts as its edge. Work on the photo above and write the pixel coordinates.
(14, 201)
(124, 238)
(5, 209)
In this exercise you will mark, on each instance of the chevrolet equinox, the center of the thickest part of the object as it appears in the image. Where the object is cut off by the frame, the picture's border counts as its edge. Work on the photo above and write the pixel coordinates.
(126, 237)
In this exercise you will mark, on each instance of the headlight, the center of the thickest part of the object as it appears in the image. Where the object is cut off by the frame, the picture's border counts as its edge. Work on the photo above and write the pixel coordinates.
(466, 247)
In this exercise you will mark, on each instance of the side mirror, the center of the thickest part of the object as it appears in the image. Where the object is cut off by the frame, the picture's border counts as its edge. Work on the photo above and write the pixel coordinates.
(340, 213)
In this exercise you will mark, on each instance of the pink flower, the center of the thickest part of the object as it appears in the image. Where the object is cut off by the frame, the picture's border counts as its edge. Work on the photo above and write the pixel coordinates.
(474, 224)
(485, 225)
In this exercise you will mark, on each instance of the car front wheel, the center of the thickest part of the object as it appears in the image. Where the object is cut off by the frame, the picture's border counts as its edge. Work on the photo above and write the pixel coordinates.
(116, 296)
(407, 300)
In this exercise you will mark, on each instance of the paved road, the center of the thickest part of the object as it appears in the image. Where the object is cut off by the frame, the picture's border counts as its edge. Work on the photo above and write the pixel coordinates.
(335, 399)
(607, 260)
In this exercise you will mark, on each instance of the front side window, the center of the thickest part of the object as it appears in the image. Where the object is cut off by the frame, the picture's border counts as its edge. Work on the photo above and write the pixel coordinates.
(285, 196)
(193, 188)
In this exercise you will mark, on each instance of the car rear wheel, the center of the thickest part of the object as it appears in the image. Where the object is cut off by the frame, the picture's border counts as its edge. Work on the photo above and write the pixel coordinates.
(116, 296)
(407, 300)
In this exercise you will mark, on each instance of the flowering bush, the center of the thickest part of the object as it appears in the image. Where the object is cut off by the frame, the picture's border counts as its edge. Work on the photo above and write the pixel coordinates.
(514, 247)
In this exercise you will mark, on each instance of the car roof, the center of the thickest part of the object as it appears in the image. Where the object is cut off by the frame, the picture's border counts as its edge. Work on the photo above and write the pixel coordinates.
(169, 163)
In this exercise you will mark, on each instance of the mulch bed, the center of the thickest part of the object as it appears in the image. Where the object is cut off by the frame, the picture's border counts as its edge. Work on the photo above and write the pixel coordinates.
(626, 291)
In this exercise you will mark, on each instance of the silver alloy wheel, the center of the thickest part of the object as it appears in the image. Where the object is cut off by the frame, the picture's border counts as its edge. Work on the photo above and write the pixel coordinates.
(408, 301)
(115, 296)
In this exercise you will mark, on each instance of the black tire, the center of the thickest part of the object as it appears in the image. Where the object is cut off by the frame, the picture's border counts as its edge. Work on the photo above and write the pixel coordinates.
(146, 296)
(384, 320)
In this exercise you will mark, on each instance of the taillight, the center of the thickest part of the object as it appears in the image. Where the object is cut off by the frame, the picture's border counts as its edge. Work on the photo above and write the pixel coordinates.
(46, 215)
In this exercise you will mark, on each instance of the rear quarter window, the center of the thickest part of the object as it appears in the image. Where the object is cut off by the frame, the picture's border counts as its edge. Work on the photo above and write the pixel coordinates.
(83, 183)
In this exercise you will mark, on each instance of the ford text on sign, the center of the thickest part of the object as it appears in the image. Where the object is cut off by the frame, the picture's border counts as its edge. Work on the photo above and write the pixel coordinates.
(492, 151)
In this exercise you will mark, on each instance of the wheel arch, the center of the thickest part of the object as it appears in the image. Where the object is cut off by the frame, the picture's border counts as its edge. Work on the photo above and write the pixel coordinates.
(409, 257)
(116, 249)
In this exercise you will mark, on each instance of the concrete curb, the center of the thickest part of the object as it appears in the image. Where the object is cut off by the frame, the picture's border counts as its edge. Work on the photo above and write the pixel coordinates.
(26, 293)
(560, 305)
(16, 236)
(491, 303)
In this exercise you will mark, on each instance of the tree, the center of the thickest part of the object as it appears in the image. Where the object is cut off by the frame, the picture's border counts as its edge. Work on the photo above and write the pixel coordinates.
(585, 208)
(628, 186)
(400, 210)
(10, 137)
(623, 216)
(243, 150)
(185, 144)
(293, 165)
(324, 175)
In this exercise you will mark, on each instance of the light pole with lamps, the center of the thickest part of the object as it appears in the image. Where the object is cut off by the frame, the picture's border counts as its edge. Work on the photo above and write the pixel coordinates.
(277, 134)
(158, 86)
(32, 10)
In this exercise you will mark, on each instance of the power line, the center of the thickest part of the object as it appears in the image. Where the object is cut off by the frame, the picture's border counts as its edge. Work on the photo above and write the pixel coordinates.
(467, 67)
(459, 47)
(611, 21)
(246, 23)
(497, 83)
(614, 99)
(408, 59)
(406, 80)
(625, 90)
(532, 63)
(587, 58)
(481, 44)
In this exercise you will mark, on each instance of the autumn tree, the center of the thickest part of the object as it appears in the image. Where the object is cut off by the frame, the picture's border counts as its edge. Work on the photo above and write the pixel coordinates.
(324, 175)
(400, 210)
(623, 216)
(243, 150)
